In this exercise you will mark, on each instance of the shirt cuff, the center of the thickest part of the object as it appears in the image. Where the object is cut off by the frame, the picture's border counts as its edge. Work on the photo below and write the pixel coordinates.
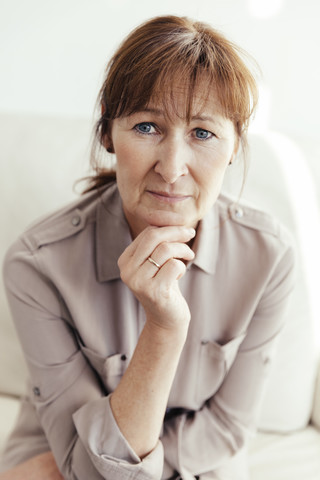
(109, 450)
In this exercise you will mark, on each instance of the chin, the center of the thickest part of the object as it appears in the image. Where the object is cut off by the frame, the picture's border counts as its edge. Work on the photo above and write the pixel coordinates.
(165, 219)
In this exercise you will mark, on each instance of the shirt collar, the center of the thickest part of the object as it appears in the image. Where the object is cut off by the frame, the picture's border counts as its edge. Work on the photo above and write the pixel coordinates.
(206, 243)
(113, 236)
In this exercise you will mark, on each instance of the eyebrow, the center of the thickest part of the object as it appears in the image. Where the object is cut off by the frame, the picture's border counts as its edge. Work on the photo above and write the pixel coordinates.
(202, 118)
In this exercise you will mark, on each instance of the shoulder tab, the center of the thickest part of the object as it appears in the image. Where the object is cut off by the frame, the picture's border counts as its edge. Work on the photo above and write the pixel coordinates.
(253, 218)
(65, 222)
(54, 228)
(249, 216)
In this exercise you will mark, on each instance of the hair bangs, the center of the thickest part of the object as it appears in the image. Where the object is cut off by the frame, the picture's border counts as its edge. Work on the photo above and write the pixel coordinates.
(169, 56)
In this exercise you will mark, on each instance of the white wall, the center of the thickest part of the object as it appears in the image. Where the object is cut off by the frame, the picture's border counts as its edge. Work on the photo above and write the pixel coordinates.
(53, 53)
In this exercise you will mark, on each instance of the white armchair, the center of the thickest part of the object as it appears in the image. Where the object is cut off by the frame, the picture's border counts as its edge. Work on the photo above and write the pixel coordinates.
(42, 157)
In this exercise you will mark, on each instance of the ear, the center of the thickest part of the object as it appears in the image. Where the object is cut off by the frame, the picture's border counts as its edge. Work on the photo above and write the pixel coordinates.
(107, 143)
(110, 148)
(235, 150)
(233, 156)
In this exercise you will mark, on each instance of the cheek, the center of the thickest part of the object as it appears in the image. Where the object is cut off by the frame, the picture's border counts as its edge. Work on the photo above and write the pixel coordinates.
(125, 163)
(212, 172)
(209, 180)
(131, 174)
(134, 161)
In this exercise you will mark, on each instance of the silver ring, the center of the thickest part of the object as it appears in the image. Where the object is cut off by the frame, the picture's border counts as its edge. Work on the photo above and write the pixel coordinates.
(154, 262)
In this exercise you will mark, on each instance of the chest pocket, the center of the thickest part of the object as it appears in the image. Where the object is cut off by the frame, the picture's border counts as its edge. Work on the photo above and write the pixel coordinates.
(109, 369)
(215, 361)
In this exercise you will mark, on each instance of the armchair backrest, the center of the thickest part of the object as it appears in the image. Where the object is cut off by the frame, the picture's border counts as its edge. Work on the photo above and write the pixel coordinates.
(41, 159)
(280, 182)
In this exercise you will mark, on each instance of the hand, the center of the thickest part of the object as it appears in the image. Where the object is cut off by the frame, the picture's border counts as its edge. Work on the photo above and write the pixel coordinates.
(157, 289)
(41, 467)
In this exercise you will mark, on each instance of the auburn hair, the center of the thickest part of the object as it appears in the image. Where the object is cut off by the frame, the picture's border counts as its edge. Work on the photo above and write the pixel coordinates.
(159, 55)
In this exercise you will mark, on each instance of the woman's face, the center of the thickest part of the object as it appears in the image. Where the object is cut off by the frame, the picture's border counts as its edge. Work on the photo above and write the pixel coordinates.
(169, 171)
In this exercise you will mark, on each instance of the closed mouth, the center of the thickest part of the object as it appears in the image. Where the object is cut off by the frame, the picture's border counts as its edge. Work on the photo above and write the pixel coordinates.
(168, 197)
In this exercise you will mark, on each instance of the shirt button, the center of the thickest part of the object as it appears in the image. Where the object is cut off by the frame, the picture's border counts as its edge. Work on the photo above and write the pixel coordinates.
(123, 357)
(238, 212)
(36, 391)
(76, 220)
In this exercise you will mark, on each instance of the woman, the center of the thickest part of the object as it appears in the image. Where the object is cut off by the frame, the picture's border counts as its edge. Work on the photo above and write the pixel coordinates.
(148, 309)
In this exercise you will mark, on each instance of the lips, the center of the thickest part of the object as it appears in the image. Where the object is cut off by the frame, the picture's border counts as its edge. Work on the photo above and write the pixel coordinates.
(168, 197)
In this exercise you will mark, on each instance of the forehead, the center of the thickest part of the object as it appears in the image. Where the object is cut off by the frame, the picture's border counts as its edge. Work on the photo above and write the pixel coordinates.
(183, 102)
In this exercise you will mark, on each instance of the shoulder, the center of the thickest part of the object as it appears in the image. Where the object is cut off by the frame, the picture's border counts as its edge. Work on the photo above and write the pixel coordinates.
(58, 235)
(66, 221)
(264, 247)
(244, 216)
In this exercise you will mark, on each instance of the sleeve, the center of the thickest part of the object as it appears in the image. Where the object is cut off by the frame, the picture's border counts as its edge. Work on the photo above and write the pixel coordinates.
(73, 410)
(201, 441)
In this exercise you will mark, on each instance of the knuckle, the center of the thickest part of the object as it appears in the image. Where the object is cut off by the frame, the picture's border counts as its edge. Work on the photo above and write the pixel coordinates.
(124, 277)
(152, 234)
(164, 249)
(138, 287)
(177, 265)
(181, 268)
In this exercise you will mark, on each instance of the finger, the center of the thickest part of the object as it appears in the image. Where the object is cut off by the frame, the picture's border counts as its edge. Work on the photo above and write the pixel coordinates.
(142, 247)
(170, 272)
(165, 251)
(161, 255)
(154, 236)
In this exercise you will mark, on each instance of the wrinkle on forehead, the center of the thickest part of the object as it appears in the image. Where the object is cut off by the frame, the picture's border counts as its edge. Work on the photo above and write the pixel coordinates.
(197, 103)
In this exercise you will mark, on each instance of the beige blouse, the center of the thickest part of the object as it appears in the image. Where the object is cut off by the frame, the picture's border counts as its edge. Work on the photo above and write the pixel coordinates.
(79, 324)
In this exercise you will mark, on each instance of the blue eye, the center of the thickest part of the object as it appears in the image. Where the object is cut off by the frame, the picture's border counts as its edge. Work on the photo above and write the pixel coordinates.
(203, 134)
(144, 127)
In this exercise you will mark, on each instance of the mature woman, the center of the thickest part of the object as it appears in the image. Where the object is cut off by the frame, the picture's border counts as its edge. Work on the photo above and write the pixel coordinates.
(148, 309)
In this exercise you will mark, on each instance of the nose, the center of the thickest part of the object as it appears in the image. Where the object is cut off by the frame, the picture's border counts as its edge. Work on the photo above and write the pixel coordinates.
(172, 161)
